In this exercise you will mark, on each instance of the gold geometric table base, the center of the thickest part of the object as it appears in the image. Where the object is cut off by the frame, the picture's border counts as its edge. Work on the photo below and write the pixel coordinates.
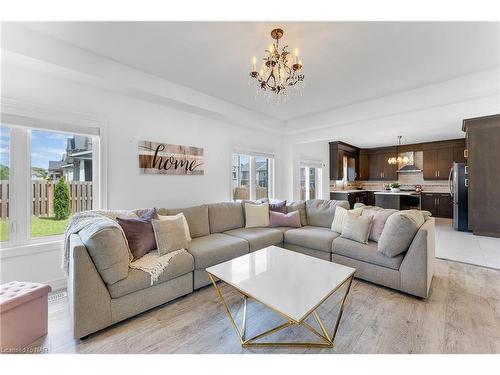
(327, 340)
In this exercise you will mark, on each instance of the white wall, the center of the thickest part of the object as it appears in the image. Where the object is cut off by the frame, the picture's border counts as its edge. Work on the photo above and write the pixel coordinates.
(127, 120)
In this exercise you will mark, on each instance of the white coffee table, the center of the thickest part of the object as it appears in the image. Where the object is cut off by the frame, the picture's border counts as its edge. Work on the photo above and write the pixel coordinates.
(293, 285)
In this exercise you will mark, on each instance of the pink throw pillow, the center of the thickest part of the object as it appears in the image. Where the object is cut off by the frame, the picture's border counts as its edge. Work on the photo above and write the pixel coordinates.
(278, 219)
(378, 223)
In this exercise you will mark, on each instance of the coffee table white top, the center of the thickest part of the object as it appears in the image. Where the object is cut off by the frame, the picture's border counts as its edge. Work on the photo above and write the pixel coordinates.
(286, 281)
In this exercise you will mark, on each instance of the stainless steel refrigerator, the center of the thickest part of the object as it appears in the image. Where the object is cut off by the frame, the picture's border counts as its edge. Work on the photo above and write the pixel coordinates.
(458, 190)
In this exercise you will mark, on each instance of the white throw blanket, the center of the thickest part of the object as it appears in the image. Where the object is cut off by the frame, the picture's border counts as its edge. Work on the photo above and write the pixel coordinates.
(151, 263)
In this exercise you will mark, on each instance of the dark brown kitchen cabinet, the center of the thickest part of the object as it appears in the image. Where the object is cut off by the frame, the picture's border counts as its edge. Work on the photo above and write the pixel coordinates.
(379, 169)
(339, 151)
(439, 158)
(389, 171)
(364, 166)
(438, 204)
(483, 180)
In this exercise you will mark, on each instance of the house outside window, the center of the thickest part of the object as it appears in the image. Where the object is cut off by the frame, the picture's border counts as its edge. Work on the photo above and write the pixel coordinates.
(251, 176)
(310, 180)
(33, 161)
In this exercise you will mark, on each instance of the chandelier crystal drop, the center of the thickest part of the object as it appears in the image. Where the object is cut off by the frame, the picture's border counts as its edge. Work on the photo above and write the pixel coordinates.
(396, 160)
(280, 75)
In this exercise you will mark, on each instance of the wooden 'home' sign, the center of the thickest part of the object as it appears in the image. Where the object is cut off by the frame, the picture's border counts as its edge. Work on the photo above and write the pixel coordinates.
(163, 158)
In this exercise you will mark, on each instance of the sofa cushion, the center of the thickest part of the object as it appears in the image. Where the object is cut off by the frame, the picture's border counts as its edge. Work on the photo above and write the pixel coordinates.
(258, 238)
(279, 219)
(277, 205)
(399, 231)
(340, 215)
(216, 248)
(170, 235)
(365, 252)
(316, 238)
(197, 218)
(179, 265)
(256, 215)
(379, 219)
(184, 222)
(225, 216)
(108, 249)
(357, 228)
(139, 233)
(298, 206)
(320, 212)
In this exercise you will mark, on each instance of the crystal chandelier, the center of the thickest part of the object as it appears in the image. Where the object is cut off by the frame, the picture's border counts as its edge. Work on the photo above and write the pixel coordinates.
(398, 159)
(280, 74)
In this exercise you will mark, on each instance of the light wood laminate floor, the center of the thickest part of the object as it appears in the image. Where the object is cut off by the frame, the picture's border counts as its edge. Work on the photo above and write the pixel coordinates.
(462, 315)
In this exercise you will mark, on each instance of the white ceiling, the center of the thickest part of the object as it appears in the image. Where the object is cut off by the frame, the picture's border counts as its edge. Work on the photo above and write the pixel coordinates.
(344, 62)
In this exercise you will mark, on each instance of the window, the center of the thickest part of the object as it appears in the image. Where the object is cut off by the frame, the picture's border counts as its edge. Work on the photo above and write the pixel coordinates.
(58, 158)
(251, 176)
(39, 169)
(310, 182)
(5, 168)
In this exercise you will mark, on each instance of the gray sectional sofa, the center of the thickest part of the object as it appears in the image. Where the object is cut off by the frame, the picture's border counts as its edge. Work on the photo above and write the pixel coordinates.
(218, 234)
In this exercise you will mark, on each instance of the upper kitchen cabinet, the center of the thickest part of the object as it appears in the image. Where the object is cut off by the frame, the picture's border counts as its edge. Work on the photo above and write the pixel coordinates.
(344, 160)
(439, 157)
(374, 166)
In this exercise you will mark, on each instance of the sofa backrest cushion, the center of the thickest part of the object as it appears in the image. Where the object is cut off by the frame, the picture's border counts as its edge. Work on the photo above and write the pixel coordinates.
(320, 212)
(298, 206)
(399, 231)
(225, 216)
(197, 218)
(108, 249)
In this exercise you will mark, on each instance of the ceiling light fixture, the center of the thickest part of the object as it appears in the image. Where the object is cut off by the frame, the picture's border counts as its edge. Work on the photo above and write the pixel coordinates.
(398, 159)
(280, 74)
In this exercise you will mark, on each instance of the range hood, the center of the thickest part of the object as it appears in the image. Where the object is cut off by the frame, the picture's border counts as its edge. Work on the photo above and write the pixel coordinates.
(409, 167)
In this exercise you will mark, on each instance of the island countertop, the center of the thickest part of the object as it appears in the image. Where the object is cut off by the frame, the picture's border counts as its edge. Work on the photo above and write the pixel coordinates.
(398, 193)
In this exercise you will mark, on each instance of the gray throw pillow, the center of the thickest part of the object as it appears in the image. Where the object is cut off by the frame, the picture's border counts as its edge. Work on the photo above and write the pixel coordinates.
(170, 235)
(399, 231)
(356, 228)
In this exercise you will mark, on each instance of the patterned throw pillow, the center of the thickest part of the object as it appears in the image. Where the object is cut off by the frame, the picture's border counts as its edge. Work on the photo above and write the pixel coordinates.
(139, 233)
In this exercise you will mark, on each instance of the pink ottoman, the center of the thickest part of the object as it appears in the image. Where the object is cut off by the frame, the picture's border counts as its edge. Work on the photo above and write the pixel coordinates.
(23, 313)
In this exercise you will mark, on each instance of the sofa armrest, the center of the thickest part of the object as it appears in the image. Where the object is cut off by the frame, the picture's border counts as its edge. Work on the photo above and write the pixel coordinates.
(89, 299)
(417, 268)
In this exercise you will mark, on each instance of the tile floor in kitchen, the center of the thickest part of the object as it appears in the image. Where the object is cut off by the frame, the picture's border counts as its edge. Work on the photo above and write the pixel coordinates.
(465, 247)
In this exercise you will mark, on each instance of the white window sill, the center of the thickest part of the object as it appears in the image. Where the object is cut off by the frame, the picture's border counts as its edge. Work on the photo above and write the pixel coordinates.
(38, 246)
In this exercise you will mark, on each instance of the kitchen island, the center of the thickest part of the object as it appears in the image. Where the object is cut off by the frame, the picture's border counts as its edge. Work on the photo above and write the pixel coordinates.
(402, 200)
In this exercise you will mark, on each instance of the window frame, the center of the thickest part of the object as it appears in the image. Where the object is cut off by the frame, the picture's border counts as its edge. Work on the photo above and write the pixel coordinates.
(252, 185)
(318, 175)
(22, 119)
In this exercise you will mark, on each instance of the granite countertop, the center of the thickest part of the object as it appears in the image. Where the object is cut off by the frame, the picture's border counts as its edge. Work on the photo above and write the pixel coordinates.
(398, 193)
